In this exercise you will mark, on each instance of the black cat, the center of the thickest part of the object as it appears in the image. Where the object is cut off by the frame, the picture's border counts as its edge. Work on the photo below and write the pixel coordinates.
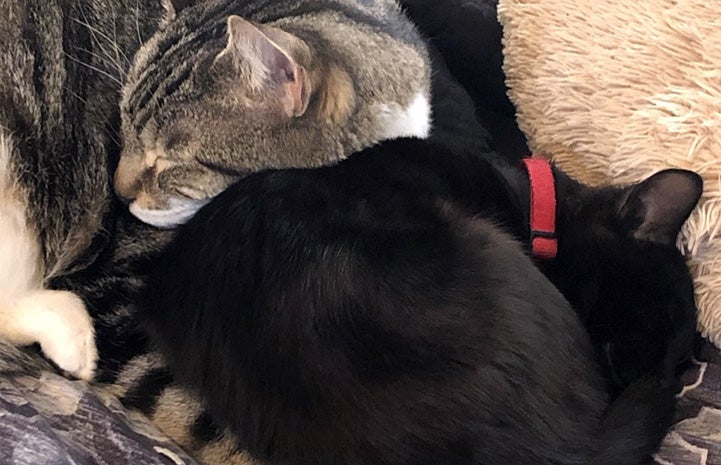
(385, 311)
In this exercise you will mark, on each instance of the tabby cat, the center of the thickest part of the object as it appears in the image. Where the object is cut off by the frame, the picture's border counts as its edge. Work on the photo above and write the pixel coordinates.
(295, 72)
(213, 96)
(220, 89)
(62, 65)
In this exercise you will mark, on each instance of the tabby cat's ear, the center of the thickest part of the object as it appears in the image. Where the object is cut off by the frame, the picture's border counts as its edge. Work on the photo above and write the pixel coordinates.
(263, 62)
(656, 208)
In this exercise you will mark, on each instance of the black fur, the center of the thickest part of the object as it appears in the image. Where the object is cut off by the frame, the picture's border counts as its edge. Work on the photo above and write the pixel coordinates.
(384, 311)
(635, 297)
(468, 35)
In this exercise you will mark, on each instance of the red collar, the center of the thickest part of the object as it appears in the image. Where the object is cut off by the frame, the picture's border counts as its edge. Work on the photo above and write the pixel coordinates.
(544, 244)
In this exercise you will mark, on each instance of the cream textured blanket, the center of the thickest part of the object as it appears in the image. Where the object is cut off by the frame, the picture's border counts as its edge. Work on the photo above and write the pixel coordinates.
(615, 90)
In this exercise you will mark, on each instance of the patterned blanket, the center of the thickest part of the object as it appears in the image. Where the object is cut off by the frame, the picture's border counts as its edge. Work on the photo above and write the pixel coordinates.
(51, 420)
(696, 437)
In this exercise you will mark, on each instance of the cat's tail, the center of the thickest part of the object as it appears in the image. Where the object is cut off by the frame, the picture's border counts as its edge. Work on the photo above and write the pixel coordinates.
(636, 423)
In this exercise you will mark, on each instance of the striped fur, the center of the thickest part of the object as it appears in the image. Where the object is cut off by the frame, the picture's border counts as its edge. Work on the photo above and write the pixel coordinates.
(59, 142)
(63, 64)
(200, 110)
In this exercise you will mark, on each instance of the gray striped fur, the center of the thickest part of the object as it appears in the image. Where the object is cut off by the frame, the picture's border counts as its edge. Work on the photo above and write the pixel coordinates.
(65, 65)
(195, 120)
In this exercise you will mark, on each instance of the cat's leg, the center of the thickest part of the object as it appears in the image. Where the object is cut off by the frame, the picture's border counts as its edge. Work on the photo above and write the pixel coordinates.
(57, 320)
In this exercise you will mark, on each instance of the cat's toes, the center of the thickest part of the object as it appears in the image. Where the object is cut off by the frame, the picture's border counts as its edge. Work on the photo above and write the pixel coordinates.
(65, 333)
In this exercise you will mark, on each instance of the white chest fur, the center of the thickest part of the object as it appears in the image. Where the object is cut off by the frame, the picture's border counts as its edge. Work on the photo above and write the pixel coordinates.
(413, 121)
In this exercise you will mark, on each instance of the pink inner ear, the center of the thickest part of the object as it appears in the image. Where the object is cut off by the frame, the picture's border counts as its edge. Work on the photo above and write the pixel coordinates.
(295, 90)
(269, 64)
(280, 65)
(284, 72)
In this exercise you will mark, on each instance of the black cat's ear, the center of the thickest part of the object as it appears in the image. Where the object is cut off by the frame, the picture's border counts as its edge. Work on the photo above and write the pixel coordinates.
(174, 7)
(656, 208)
(263, 61)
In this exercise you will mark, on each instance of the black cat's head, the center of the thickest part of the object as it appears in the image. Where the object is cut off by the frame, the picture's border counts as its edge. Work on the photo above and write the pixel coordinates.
(619, 267)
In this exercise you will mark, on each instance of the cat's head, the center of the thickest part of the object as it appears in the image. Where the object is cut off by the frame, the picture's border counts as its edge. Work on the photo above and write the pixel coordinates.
(619, 266)
(198, 100)
(212, 97)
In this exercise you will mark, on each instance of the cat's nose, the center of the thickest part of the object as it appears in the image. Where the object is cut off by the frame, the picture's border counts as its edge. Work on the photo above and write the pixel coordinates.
(127, 180)
(126, 193)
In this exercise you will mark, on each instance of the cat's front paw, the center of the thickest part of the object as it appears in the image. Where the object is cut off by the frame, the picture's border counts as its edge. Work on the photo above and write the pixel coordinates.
(60, 323)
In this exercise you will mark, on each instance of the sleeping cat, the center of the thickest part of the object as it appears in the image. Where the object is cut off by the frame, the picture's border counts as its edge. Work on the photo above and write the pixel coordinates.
(215, 90)
(213, 96)
(61, 167)
(384, 310)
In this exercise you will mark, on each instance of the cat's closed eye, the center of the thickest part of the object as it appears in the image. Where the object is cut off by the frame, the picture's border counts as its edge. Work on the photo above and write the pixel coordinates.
(175, 140)
(149, 172)
(189, 192)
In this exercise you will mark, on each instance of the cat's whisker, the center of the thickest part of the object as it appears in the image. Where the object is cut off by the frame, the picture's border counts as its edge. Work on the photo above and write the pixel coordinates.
(95, 68)
(137, 21)
(108, 57)
(74, 94)
(106, 60)
(114, 136)
(98, 33)
(117, 49)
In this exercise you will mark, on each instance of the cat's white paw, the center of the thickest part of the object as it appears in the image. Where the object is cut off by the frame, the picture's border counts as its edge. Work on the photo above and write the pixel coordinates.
(60, 323)
(68, 338)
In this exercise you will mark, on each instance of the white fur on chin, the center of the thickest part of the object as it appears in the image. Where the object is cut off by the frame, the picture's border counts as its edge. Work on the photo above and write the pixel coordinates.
(178, 212)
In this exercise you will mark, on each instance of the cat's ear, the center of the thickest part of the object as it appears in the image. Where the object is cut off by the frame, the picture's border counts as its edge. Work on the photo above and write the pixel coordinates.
(656, 208)
(263, 61)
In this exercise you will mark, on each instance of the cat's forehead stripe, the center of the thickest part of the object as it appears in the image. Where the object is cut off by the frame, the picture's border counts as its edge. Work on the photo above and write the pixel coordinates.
(153, 101)
(172, 53)
(177, 58)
